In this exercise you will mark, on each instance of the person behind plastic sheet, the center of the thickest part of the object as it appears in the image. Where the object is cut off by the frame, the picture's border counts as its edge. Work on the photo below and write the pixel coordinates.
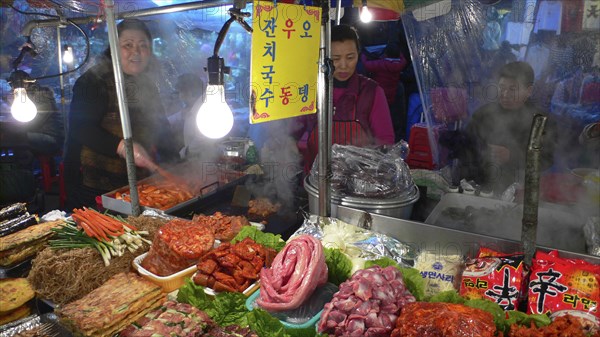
(501, 129)
(95, 149)
(361, 113)
(386, 70)
(44, 134)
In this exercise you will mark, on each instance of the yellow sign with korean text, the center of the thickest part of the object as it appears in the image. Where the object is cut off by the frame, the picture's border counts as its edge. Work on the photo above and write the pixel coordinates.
(285, 60)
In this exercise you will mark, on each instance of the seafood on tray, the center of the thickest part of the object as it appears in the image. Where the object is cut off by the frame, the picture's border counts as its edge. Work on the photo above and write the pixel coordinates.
(233, 267)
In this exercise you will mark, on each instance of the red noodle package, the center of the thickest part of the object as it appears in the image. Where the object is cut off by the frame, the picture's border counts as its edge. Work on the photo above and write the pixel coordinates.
(494, 276)
(562, 286)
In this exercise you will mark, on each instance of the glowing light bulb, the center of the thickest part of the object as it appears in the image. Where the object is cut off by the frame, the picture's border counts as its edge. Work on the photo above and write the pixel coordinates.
(365, 14)
(68, 55)
(214, 118)
(23, 108)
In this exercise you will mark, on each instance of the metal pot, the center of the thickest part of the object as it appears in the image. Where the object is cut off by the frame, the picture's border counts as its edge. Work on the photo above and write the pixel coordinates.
(400, 208)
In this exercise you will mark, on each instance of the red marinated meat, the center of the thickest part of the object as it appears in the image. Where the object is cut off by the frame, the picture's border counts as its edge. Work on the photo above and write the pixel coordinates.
(367, 304)
(172, 319)
(177, 245)
(294, 275)
(424, 319)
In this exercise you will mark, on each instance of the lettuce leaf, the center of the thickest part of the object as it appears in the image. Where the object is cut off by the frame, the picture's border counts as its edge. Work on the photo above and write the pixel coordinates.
(265, 239)
(521, 318)
(414, 282)
(338, 264)
(449, 296)
(225, 308)
(193, 294)
(493, 308)
(265, 325)
(382, 262)
(412, 278)
(229, 308)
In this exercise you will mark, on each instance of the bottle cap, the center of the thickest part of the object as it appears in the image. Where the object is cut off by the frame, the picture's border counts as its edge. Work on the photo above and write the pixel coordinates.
(453, 189)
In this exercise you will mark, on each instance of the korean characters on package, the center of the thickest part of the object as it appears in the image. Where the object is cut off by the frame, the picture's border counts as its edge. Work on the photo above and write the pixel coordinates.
(495, 276)
(559, 286)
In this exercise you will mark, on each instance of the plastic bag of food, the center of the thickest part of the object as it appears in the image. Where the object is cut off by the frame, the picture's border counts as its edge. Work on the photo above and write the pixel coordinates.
(495, 276)
(359, 244)
(562, 286)
(368, 172)
(440, 272)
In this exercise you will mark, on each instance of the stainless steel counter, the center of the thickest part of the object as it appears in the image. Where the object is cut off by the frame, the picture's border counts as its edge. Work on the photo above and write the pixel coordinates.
(439, 240)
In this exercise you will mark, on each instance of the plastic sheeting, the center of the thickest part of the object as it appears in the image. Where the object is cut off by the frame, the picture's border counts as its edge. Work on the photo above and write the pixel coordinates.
(182, 43)
(456, 57)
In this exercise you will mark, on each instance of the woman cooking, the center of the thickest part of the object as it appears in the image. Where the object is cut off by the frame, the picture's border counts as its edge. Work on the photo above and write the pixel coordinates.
(361, 113)
(94, 148)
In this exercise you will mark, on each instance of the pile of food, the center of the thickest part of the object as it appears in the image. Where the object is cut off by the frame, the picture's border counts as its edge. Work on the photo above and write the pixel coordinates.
(170, 319)
(224, 227)
(161, 196)
(233, 267)
(262, 208)
(82, 269)
(25, 243)
(14, 218)
(176, 246)
(367, 304)
(14, 295)
(297, 270)
(443, 319)
(107, 310)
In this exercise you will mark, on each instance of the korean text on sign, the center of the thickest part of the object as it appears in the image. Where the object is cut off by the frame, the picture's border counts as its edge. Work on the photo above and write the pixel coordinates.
(285, 60)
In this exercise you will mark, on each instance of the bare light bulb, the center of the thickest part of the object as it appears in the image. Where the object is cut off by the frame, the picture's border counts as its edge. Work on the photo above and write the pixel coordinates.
(214, 118)
(365, 14)
(23, 108)
(68, 55)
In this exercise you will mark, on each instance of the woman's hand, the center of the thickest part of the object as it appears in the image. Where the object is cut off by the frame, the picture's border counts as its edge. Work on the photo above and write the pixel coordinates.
(141, 157)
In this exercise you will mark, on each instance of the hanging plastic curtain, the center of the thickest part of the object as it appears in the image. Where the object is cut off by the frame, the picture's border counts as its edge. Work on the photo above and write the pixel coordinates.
(448, 63)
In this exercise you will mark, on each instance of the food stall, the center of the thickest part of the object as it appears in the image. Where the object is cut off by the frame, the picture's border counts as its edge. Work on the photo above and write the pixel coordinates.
(213, 263)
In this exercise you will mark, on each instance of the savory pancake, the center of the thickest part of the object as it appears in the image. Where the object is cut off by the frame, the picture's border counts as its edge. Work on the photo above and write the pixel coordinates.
(14, 292)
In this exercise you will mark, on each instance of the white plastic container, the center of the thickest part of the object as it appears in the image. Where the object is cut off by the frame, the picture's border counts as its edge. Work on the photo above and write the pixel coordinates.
(167, 283)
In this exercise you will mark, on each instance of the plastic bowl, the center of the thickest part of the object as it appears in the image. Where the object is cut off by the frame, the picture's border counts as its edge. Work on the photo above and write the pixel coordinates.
(167, 283)
(308, 314)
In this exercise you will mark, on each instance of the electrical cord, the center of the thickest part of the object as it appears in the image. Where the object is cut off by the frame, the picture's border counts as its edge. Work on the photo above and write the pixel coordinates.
(33, 13)
(87, 54)
(87, 45)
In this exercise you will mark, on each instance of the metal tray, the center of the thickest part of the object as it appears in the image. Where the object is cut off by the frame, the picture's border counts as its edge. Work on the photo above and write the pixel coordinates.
(20, 269)
(557, 228)
(284, 222)
(212, 184)
(48, 321)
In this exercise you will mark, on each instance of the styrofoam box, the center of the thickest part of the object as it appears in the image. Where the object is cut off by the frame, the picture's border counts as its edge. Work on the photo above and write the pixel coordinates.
(557, 227)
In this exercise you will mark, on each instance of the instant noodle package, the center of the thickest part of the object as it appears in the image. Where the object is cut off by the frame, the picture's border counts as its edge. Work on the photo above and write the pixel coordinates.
(495, 276)
(562, 286)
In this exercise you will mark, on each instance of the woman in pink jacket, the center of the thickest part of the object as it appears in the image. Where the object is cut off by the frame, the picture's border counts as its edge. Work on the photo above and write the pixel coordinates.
(361, 113)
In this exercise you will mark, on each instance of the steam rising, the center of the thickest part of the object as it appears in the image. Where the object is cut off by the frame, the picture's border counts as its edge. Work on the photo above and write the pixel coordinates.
(281, 161)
